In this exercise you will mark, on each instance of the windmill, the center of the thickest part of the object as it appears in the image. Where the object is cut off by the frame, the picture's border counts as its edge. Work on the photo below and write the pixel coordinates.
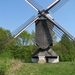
(44, 24)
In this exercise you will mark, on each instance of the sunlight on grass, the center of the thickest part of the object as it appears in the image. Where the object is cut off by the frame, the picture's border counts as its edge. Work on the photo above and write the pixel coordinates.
(16, 67)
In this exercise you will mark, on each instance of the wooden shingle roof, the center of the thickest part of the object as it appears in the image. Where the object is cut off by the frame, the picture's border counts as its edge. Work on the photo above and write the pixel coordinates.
(47, 53)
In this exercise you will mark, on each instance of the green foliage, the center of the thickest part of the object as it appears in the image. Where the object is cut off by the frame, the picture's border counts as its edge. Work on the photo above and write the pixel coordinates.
(65, 49)
(8, 34)
(3, 39)
(2, 69)
(54, 37)
(69, 47)
(23, 52)
(33, 37)
(24, 39)
(5, 56)
(23, 46)
(16, 67)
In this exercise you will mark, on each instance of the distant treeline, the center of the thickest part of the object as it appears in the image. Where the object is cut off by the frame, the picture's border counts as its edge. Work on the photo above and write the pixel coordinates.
(24, 46)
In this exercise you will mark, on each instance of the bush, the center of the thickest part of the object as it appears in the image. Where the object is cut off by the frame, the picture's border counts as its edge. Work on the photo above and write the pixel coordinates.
(23, 52)
(2, 68)
(3, 39)
(64, 53)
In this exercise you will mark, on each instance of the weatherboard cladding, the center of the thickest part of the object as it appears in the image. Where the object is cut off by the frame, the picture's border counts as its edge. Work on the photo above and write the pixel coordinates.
(43, 36)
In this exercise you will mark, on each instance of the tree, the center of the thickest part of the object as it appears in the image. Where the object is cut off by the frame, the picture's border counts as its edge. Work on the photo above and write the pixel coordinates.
(33, 37)
(22, 48)
(23, 39)
(9, 35)
(65, 49)
(54, 37)
(68, 51)
(3, 38)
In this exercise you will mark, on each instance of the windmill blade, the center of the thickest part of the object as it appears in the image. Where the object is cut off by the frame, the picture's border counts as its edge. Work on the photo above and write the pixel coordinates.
(58, 32)
(60, 28)
(59, 5)
(34, 4)
(55, 6)
(55, 30)
(52, 5)
(23, 27)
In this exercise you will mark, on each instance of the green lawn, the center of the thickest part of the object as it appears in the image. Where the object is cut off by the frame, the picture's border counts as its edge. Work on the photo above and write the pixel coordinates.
(16, 67)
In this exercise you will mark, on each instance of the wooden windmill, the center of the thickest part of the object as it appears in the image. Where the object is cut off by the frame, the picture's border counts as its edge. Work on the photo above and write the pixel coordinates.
(44, 24)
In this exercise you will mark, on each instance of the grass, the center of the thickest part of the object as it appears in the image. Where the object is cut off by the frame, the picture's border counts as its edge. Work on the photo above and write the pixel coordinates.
(10, 66)
(16, 67)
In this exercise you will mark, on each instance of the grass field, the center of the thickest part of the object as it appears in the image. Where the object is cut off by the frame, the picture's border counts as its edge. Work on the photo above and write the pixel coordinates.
(16, 67)
(10, 66)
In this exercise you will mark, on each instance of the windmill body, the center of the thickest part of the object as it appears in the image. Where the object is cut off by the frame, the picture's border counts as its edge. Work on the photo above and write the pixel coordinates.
(43, 36)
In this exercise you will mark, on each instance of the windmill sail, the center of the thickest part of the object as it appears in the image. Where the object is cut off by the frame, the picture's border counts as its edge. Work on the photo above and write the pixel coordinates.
(58, 4)
(60, 29)
(23, 27)
(34, 4)
(52, 5)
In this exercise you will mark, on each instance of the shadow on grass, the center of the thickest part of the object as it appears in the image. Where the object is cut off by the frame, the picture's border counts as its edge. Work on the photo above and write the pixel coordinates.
(1, 72)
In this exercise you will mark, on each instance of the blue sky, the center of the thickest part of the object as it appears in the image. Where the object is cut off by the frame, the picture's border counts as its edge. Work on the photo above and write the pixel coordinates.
(14, 13)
